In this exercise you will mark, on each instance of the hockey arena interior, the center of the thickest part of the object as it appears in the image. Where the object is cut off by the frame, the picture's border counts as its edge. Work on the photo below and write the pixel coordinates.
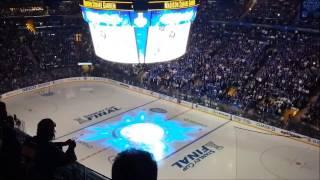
(160, 90)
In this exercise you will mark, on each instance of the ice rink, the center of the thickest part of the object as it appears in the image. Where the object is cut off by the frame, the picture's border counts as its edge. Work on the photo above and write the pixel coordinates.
(188, 144)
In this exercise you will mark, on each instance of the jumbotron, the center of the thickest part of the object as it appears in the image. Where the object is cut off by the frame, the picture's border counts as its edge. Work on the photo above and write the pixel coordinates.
(141, 31)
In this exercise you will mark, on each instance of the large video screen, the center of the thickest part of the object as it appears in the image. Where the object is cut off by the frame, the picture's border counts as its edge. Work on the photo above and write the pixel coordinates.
(167, 42)
(139, 37)
(114, 43)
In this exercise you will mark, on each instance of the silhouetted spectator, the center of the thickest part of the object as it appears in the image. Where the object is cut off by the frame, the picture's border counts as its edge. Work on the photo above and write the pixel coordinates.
(49, 155)
(3, 112)
(134, 164)
(10, 148)
(10, 122)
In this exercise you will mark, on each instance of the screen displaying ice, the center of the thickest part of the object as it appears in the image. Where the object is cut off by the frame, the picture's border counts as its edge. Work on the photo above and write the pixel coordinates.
(139, 37)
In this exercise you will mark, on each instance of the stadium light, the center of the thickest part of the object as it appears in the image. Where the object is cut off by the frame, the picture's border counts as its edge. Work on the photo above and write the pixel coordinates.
(84, 63)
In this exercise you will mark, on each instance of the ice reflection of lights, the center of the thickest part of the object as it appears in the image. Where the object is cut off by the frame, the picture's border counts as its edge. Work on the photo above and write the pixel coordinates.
(147, 131)
(146, 134)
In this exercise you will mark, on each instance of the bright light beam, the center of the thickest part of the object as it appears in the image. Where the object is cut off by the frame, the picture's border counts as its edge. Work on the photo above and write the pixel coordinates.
(146, 133)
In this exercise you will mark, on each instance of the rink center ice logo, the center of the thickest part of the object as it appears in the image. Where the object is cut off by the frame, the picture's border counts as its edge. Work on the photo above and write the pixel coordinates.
(196, 156)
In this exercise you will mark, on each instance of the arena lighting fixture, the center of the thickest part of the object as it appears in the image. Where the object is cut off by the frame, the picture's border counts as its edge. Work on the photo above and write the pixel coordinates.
(139, 31)
(84, 63)
(151, 132)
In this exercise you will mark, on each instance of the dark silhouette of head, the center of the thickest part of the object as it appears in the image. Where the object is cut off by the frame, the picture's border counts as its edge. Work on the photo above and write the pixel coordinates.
(134, 164)
(10, 122)
(46, 129)
(3, 112)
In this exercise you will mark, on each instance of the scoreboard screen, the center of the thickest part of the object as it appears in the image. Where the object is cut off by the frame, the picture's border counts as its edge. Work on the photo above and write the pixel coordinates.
(139, 36)
(167, 42)
(130, 5)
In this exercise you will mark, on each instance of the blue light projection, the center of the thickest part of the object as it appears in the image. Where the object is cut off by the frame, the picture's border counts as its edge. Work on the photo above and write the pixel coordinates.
(148, 131)
(141, 26)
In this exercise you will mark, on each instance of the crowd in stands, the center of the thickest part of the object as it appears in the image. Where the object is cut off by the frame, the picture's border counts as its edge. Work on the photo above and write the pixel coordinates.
(250, 69)
(231, 10)
(16, 12)
(255, 71)
(56, 49)
(280, 13)
(31, 8)
(289, 74)
(273, 12)
(312, 116)
(15, 61)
